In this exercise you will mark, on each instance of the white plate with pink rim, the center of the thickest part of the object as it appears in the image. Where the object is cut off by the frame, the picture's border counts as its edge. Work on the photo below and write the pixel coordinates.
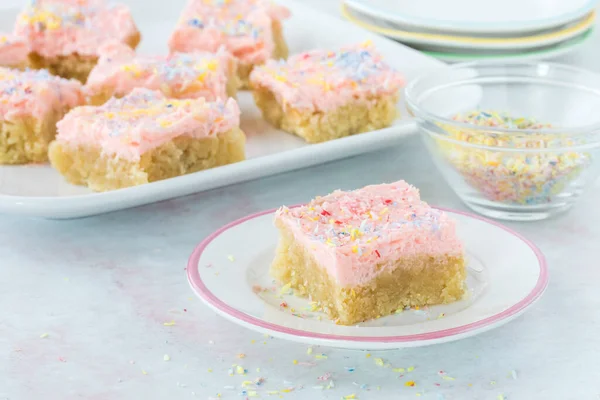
(229, 271)
(40, 191)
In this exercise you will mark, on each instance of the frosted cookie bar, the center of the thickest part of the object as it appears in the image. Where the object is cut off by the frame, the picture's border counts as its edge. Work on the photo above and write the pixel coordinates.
(250, 29)
(179, 75)
(31, 102)
(144, 137)
(322, 95)
(369, 252)
(64, 35)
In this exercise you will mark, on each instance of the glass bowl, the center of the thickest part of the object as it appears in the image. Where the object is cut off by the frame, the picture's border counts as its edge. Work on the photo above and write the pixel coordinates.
(515, 141)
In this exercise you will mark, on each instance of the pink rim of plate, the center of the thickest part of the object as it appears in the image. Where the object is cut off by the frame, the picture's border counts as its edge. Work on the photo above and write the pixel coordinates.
(198, 285)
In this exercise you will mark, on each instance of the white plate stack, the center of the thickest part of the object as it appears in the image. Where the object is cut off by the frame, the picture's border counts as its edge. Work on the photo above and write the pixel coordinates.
(465, 30)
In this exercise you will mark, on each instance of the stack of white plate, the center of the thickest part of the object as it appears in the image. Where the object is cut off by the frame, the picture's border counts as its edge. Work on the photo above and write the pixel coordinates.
(464, 30)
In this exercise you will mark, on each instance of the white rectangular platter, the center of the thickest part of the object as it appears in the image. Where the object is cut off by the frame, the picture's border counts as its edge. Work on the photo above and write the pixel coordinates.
(39, 191)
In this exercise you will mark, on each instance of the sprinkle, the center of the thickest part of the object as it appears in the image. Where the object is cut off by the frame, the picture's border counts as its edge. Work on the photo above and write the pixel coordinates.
(321, 356)
(241, 355)
(501, 397)
(379, 362)
(368, 355)
(285, 289)
(349, 397)
(309, 350)
(324, 377)
(231, 258)
(448, 378)
(240, 370)
(350, 369)
(410, 369)
(144, 372)
(295, 362)
(44, 335)
(513, 373)
(166, 357)
(492, 382)
(172, 323)
(398, 370)
(61, 359)
(410, 383)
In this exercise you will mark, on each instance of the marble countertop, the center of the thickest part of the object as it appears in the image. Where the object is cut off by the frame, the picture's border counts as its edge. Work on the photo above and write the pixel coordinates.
(88, 305)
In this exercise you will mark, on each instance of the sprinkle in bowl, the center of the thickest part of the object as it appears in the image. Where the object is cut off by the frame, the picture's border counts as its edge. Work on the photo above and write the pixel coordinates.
(516, 141)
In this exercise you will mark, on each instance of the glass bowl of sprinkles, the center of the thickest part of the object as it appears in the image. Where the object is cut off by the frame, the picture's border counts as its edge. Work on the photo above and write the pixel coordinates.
(518, 141)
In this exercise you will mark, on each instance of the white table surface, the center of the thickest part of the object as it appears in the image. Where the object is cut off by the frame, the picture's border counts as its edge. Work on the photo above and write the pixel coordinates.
(84, 302)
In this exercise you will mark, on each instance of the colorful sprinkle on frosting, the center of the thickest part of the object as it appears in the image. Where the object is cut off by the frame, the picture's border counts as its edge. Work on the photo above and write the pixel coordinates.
(35, 94)
(14, 50)
(178, 75)
(323, 80)
(144, 120)
(64, 27)
(542, 166)
(244, 27)
(357, 234)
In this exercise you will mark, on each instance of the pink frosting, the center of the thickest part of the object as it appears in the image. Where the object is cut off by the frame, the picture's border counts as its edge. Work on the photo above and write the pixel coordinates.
(64, 27)
(144, 120)
(179, 75)
(324, 80)
(359, 234)
(36, 93)
(14, 50)
(244, 27)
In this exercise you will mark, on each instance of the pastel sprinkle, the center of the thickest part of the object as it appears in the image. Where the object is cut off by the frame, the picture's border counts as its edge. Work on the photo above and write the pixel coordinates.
(44, 335)
(410, 383)
(349, 397)
(171, 323)
(410, 369)
(166, 357)
(231, 258)
(379, 362)
(398, 370)
(447, 378)
(321, 357)
(240, 370)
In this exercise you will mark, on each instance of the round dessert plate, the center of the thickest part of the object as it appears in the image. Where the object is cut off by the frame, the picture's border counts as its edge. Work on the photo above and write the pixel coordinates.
(541, 53)
(229, 271)
(448, 41)
(476, 16)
